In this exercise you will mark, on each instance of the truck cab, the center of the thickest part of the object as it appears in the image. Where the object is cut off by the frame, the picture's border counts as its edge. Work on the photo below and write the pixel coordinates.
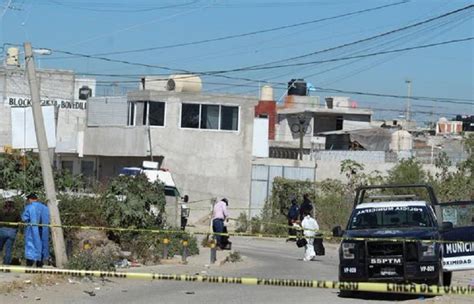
(399, 234)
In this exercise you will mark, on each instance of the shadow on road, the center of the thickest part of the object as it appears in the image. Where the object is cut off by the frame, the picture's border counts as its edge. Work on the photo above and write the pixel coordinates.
(380, 296)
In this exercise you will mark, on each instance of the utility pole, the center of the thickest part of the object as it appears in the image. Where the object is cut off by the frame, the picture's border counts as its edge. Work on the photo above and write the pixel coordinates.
(408, 114)
(46, 169)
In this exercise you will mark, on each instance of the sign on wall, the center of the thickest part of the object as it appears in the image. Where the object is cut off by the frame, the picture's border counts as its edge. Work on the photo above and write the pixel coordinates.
(23, 127)
(22, 101)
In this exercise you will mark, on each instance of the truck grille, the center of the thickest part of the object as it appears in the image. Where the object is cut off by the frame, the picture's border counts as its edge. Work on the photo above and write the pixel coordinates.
(384, 249)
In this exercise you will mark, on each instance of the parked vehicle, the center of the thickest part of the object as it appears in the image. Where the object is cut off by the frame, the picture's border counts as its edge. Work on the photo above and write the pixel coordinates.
(152, 171)
(394, 237)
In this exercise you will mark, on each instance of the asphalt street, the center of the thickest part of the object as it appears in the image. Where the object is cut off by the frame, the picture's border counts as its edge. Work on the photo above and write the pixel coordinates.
(261, 258)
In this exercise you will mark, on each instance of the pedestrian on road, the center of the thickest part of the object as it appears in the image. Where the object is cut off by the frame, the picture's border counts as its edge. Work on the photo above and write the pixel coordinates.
(8, 213)
(293, 214)
(310, 226)
(306, 206)
(219, 215)
(36, 236)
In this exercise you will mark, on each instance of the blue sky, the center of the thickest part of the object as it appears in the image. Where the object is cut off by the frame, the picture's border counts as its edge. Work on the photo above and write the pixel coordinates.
(92, 27)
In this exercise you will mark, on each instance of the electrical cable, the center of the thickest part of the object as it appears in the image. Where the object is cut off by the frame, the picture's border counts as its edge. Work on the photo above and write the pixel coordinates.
(468, 7)
(252, 32)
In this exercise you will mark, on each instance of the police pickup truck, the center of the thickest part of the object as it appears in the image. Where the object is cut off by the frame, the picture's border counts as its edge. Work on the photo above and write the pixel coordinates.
(410, 237)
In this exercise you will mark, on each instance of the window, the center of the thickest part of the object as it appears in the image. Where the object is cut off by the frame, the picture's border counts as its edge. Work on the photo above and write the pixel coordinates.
(87, 168)
(131, 114)
(381, 217)
(190, 115)
(229, 118)
(156, 113)
(206, 116)
(67, 165)
(209, 117)
(339, 122)
(153, 113)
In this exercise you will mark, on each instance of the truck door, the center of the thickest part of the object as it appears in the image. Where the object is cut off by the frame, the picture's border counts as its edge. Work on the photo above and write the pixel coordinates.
(458, 242)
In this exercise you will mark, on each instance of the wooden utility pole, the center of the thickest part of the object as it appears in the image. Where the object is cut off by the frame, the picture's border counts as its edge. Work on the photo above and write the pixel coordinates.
(46, 169)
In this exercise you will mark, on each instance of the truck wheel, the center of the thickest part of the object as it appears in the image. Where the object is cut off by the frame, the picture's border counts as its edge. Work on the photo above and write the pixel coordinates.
(447, 276)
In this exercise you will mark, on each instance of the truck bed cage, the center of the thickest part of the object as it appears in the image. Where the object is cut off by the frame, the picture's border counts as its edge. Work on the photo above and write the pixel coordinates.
(394, 197)
(361, 193)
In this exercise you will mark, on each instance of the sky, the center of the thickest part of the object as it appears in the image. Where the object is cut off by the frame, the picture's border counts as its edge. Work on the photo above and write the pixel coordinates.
(104, 26)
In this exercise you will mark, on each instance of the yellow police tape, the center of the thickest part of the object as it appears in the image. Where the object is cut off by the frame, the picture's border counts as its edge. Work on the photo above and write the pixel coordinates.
(346, 286)
(323, 235)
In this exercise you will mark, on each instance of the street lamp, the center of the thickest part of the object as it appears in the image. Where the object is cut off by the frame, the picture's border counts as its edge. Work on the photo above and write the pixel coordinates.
(408, 116)
(301, 120)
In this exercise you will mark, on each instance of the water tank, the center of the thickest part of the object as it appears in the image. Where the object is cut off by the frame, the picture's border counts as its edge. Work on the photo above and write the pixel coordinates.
(13, 56)
(85, 92)
(297, 87)
(401, 140)
(184, 83)
(267, 93)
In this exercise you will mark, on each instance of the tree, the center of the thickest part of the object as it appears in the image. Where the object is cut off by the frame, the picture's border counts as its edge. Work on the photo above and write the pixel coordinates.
(407, 171)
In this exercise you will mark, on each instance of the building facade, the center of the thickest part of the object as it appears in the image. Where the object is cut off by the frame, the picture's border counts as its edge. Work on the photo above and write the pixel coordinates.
(204, 140)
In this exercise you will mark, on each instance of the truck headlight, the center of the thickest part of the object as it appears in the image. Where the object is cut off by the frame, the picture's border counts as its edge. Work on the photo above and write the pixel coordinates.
(348, 251)
(429, 250)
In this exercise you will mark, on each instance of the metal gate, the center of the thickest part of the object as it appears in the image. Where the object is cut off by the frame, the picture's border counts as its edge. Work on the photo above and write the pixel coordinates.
(262, 182)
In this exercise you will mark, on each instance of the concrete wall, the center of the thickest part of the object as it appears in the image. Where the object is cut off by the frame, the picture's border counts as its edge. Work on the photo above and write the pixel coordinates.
(206, 163)
(116, 141)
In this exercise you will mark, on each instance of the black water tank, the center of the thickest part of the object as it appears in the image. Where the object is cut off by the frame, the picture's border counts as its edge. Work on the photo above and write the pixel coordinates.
(297, 87)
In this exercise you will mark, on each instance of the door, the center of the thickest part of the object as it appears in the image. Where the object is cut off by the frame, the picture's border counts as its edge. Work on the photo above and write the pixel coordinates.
(458, 242)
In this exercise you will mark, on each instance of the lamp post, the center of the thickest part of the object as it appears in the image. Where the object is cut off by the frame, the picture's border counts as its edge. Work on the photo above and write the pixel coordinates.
(301, 120)
(408, 114)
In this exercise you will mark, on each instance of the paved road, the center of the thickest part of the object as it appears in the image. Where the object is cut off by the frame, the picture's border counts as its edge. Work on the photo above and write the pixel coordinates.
(262, 258)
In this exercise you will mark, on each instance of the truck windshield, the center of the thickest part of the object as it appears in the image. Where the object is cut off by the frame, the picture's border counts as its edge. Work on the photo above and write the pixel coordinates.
(381, 217)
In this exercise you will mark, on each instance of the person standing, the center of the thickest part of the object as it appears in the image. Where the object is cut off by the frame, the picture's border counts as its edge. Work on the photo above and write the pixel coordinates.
(306, 206)
(293, 214)
(310, 226)
(219, 215)
(36, 236)
(184, 212)
(8, 213)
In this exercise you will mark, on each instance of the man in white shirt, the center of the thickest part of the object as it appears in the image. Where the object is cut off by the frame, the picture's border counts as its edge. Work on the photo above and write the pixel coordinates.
(310, 226)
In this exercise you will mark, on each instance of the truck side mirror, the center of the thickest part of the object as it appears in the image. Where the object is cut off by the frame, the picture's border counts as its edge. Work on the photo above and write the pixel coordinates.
(446, 226)
(337, 231)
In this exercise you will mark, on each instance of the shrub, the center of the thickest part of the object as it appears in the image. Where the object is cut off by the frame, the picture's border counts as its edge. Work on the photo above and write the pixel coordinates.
(128, 200)
(89, 260)
(255, 224)
(242, 223)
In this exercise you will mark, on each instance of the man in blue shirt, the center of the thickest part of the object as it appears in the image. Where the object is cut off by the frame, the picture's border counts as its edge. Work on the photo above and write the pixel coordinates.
(36, 236)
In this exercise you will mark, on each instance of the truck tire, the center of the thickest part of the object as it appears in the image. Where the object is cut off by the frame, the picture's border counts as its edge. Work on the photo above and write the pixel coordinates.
(447, 277)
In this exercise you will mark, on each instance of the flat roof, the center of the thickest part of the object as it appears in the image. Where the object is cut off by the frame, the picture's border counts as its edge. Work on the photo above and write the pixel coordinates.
(355, 111)
(392, 204)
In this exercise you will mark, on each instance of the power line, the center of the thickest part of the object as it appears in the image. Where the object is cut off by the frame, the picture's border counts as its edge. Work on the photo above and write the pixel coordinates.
(344, 58)
(252, 32)
(218, 73)
(369, 38)
(125, 10)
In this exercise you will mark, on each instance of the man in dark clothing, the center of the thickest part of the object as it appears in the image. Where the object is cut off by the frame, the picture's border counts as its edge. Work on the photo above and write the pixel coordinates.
(292, 218)
(8, 213)
(307, 205)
